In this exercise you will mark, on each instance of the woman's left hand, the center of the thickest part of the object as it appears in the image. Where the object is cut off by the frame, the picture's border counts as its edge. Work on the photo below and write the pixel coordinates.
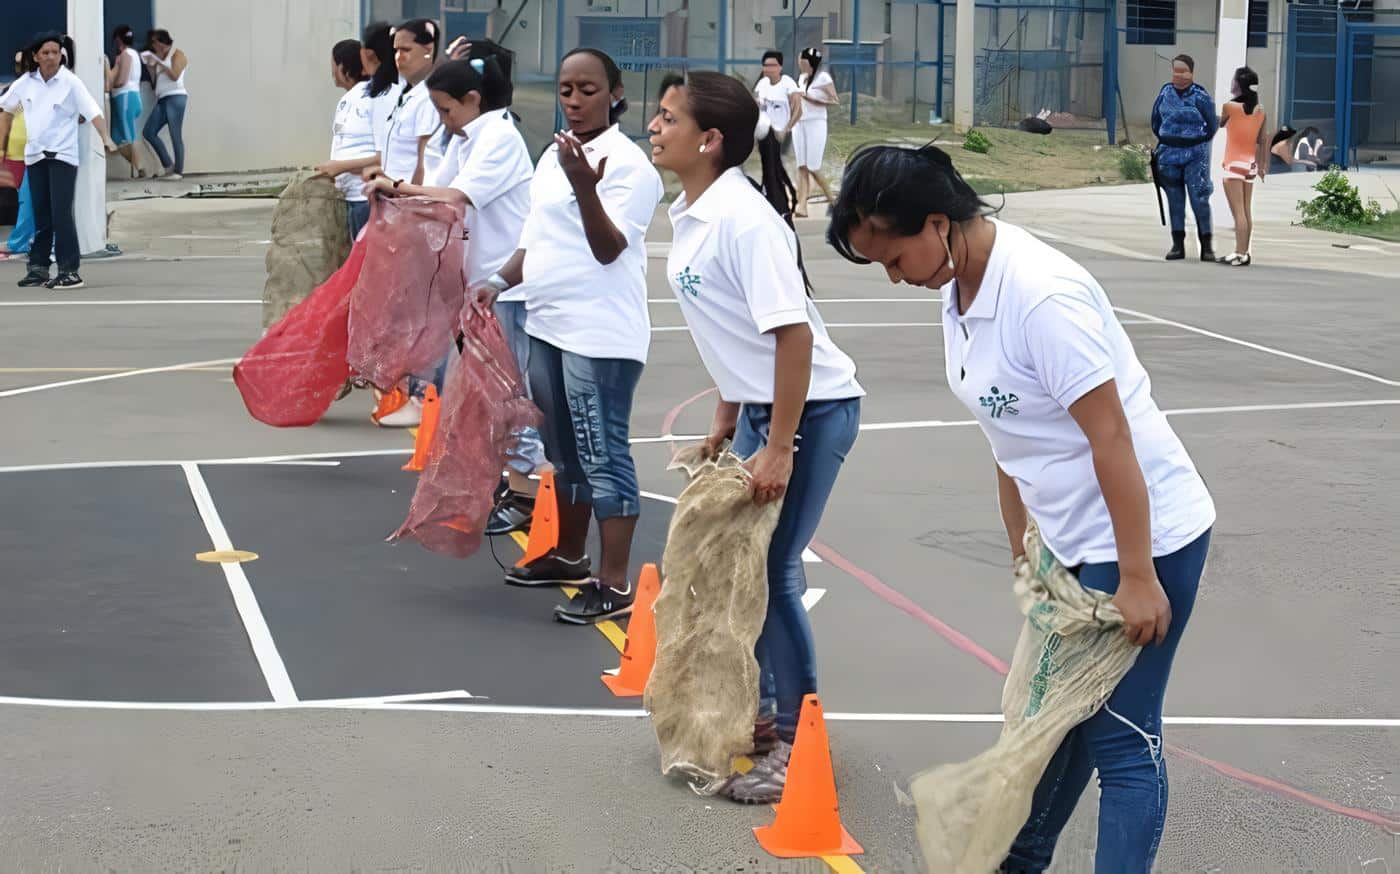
(575, 165)
(771, 469)
(383, 184)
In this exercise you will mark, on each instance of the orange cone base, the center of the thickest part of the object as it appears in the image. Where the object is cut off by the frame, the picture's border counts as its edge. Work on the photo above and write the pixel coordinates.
(619, 688)
(777, 845)
(639, 655)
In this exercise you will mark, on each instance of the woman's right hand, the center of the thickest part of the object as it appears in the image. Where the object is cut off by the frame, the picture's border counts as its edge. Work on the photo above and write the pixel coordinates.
(483, 295)
(715, 439)
(1147, 614)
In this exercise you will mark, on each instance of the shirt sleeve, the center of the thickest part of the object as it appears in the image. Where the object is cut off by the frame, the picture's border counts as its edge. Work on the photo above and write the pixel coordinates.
(425, 119)
(1068, 347)
(495, 167)
(630, 192)
(82, 100)
(10, 100)
(765, 267)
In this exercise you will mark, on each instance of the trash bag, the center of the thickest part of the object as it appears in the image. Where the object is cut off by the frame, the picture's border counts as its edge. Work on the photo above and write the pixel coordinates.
(409, 297)
(484, 406)
(310, 240)
(291, 376)
(1070, 657)
(703, 690)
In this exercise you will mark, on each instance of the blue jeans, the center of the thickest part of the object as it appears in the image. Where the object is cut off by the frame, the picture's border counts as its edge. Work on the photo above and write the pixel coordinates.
(169, 111)
(22, 236)
(528, 452)
(356, 216)
(587, 407)
(1192, 180)
(787, 658)
(1123, 741)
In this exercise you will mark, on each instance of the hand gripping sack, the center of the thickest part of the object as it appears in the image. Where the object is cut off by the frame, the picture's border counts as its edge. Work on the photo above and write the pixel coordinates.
(703, 690)
(1070, 657)
(291, 376)
(310, 240)
(409, 297)
(484, 405)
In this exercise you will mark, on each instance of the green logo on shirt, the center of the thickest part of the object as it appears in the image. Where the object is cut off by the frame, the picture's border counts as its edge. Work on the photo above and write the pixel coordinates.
(689, 282)
(1000, 403)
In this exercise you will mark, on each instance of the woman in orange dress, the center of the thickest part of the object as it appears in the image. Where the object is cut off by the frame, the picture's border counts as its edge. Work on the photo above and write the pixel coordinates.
(1246, 158)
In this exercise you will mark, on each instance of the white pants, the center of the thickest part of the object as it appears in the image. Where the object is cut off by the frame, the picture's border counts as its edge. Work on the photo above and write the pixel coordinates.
(809, 142)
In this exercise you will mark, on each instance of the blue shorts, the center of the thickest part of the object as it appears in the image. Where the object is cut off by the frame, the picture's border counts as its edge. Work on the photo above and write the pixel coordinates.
(126, 112)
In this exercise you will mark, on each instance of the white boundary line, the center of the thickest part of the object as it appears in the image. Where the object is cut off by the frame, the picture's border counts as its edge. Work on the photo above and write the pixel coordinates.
(677, 329)
(278, 682)
(122, 375)
(121, 303)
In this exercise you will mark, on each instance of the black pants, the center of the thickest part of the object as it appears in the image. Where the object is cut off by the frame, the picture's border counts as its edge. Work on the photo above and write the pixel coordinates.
(51, 187)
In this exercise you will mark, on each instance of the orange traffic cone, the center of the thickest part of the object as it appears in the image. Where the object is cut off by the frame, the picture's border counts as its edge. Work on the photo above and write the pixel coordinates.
(640, 653)
(389, 402)
(544, 526)
(808, 823)
(427, 428)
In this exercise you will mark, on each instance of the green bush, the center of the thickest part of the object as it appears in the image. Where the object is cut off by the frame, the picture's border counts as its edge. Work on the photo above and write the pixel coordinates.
(1133, 165)
(976, 141)
(1338, 205)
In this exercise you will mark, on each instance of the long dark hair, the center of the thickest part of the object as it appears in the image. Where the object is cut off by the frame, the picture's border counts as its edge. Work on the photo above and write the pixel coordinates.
(482, 75)
(904, 187)
(379, 41)
(813, 56)
(1248, 82)
(346, 55)
(614, 74)
(65, 45)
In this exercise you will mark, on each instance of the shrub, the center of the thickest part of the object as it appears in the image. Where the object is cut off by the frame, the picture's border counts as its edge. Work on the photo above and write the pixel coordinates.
(976, 141)
(1133, 165)
(1338, 205)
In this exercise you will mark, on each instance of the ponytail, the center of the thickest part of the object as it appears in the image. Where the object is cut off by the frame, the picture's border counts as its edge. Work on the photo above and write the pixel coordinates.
(812, 56)
(456, 79)
(379, 41)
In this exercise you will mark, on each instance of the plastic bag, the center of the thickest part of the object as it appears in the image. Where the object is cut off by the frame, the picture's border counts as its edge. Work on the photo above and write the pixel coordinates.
(703, 691)
(410, 294)
(484, 405)
(1070, 657)
(310, 240)
(291, 376)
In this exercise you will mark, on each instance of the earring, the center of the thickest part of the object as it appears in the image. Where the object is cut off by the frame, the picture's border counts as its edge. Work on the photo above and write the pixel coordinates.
(948, 247)
(702, 148)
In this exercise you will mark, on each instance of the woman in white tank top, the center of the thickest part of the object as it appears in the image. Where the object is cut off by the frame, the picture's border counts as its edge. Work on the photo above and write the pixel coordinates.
(167, 65)
(124, 86)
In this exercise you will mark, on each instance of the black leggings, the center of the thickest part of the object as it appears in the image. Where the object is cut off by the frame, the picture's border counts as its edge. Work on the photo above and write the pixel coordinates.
(51, 188)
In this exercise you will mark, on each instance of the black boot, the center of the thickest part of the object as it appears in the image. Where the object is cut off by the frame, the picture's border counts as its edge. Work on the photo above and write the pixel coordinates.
(1178, 251)
(1207, 253)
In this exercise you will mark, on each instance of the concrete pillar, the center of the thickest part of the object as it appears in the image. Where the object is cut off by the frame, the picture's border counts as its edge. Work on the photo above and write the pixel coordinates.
(86, 26)
(1232, 42)
(964, 53)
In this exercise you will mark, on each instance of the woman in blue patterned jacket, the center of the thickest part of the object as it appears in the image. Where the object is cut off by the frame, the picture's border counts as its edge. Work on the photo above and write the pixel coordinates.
(1184, 122)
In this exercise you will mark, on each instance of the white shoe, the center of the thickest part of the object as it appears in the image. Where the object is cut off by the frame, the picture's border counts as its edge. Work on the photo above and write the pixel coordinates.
(172, 177)
(410, 415)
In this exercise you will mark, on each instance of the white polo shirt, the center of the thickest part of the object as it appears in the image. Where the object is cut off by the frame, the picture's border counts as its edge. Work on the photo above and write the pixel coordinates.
(774, 99)
(490, 164)
(51, 112)
(733, 268)
(352, 136)
(572, 301)
(414, 116)
(1041, 334)
(381, 110)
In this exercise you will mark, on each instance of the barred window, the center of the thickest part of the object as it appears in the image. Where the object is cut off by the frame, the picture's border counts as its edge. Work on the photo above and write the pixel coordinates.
(1151, 22)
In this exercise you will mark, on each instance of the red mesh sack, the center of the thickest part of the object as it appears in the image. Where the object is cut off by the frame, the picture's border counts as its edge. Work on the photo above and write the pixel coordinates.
(484, 404)
(291, 376)
(410, 292)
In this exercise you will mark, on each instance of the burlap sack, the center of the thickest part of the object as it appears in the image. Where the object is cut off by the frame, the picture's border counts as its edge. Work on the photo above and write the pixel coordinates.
(310, 240)
(1070, 657)
(703, 691)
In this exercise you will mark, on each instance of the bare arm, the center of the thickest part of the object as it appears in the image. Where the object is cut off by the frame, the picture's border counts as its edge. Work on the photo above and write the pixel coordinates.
(347, 165)
(792, 376)
(99, 124)
(117, 75)
(420, 170)
(6, 120)
(1261, 147)
(1013, 512)
(440, 194)
(178, 63)
(794, 111)
(722, 425)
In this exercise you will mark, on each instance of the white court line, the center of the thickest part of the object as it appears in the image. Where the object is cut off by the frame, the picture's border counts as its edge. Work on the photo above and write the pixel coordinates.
(278, 682)
(675, 329)
(122, 375)
(374, 702)
(118, 303)
(822, 300)
(1258, 347)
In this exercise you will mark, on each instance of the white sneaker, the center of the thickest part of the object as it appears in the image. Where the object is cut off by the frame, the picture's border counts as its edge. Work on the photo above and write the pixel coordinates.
(410, 415)
(172, 177)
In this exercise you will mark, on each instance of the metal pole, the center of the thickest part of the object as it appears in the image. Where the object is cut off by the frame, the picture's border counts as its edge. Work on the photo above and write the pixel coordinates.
(85, 25)
(558, 55)
(855, 70)
(723, 49)
(942, 71)
(1110, 70)
(914, 101)
(1341, 113)
(964, 56)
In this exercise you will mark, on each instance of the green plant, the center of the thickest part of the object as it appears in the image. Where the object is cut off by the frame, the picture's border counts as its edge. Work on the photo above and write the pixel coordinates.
(1133, 165)
(976, 141)
(1338, 205)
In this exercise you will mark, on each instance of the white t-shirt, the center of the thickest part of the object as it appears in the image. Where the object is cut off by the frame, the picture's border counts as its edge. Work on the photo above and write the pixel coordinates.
(773, 99)
(381, 110)
(414, 116)
(733, 268)
(167, 85)
(132, 83)
(814, 111)
(490, 164)
(352, 136)
(572, 301)
(1041, 334)
(51, 112)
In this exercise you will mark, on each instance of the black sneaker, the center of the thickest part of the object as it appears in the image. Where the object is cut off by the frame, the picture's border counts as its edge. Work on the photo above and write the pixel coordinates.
(550, 570)
(34, 278)
(65, 282)
(511, 513)
(595, 603)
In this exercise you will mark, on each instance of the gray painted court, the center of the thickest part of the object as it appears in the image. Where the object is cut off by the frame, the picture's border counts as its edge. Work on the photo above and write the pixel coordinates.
(1286, 383)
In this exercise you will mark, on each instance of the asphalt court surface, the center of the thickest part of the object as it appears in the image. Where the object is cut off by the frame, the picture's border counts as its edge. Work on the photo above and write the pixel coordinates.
(1296, 617)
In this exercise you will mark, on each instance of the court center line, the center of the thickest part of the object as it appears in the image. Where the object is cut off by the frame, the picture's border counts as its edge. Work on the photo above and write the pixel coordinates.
(259, 636)
(188, 365)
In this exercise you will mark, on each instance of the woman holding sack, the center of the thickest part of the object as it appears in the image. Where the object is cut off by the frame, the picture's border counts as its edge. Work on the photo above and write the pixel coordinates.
(1033, 349)
(788, 395)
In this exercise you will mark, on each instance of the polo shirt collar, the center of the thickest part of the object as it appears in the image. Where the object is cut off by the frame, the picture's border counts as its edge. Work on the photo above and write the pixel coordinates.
(985, 304)
(708, 207)
(476, 125)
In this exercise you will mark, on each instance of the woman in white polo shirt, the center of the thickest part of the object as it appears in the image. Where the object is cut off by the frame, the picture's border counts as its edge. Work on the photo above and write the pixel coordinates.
(787, 395)
(55, 102)
(582, 265)
(1034, 350)
(411, 150)
(352, 132)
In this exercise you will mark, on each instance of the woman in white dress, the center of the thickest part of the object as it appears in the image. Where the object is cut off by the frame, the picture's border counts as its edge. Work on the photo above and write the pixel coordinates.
(817, 91)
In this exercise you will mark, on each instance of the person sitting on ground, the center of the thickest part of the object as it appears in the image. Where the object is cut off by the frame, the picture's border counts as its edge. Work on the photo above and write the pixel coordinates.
(1281, 151)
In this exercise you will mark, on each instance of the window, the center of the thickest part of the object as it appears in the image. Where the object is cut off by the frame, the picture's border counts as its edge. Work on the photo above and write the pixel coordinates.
(1258, 24)
(1151, 22)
